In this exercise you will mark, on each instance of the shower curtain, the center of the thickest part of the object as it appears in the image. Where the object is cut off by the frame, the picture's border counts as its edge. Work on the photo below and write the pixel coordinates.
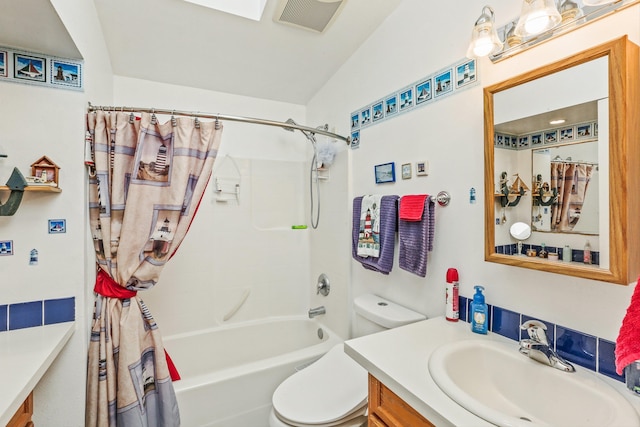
(144, 191)
(571, 180)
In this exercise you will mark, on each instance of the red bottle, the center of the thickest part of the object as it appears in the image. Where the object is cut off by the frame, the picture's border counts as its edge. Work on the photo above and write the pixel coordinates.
(452, 311)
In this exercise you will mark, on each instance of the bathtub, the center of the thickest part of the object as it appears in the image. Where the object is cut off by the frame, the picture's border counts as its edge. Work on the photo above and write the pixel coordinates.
(230, 372)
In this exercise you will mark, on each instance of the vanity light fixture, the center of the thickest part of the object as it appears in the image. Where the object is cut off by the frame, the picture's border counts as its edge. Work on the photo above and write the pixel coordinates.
(537, 17)
(569, 11)
(484, 38)
(557, 122)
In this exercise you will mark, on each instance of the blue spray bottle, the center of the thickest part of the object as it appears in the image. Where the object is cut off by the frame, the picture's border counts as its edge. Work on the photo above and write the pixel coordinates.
(479, 312)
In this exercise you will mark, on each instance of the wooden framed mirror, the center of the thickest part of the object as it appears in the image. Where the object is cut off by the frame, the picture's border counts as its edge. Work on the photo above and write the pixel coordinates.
(599, 91)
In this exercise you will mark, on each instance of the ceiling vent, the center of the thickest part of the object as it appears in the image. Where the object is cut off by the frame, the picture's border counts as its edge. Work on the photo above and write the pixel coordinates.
(314, 15)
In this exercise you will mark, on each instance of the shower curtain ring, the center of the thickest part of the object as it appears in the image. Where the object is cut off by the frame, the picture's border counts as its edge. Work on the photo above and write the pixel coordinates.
(217, 123)
(174, 122)
(196, 123)
(154, 119)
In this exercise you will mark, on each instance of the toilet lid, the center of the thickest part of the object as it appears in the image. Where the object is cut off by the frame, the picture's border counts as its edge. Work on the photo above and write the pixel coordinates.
(323, 393)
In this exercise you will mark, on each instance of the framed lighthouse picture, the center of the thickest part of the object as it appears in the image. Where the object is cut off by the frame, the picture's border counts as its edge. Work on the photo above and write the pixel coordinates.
(66, 73)
(29, 68)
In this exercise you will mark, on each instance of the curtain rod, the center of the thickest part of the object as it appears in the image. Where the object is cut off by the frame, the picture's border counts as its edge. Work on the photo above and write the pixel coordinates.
(287, 126)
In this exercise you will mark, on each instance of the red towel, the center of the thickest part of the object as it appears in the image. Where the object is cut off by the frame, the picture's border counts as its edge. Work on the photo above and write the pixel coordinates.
(412, 207)
(628, 342)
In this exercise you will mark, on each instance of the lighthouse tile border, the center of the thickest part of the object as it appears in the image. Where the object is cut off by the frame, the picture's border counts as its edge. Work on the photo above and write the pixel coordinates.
(18, 66)
(460, 75)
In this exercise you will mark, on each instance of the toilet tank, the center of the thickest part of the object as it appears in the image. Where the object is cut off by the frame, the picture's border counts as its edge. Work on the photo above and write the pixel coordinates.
(375, 314)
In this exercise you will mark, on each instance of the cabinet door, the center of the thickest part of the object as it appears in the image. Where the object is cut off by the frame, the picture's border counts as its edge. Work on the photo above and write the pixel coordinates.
(22, 417)
(386, 409)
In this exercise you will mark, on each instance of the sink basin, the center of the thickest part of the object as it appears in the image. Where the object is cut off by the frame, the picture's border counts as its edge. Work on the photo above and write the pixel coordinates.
(492, 380)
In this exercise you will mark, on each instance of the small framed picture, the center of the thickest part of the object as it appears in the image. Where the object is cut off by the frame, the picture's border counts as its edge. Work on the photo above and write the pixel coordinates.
(377, 110)
(406, 99)
(391, 105)
(385, 172)
(551, 136)
(355, 121)
(442, 83)
(423, 91)
(29, 68)
(65, 73)
(406, 171)
(566, 134)
(6, 247)
(466, 73)
(4, 67)
(595, 129)
(584, 131)
(523, 141)
(422, 168)
(536, 139)
(499, 140)
(365, 117)
(57, 226)
(355, 140)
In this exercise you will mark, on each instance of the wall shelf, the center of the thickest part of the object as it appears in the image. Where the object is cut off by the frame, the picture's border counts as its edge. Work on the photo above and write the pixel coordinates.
(39, 188)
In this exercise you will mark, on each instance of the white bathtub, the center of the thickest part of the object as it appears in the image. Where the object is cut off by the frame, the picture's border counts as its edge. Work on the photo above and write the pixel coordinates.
(229, 373)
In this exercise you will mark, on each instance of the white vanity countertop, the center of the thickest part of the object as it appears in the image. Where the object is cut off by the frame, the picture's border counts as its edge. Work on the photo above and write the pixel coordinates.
(399, 358)
(25, 355)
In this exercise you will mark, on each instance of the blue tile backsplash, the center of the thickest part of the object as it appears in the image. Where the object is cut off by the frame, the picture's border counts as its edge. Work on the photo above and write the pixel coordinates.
(576, 254)
(36, 313)
(585, 350)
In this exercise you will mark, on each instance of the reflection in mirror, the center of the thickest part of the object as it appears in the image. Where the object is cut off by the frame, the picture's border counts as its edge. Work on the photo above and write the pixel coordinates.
(574, 204)
(565, 196)
(552, 141)
(520, 231)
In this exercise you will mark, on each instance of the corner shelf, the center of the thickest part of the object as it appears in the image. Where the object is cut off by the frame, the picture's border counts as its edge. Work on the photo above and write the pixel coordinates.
(39, 189)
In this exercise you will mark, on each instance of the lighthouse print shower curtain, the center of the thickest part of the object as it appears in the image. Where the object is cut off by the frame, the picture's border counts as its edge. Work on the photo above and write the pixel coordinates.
(146, 180)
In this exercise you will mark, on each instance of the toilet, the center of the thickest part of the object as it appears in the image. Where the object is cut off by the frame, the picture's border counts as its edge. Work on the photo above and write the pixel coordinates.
(332, 392)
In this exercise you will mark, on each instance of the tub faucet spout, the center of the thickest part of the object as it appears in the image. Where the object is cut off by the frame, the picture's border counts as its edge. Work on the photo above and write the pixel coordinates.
(313, 312)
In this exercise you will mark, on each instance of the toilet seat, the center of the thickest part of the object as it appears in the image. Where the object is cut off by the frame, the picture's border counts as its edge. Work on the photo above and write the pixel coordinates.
(327, 393)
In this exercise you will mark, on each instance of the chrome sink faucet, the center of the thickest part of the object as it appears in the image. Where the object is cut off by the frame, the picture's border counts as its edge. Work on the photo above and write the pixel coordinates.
(537, 346)
(316, 311)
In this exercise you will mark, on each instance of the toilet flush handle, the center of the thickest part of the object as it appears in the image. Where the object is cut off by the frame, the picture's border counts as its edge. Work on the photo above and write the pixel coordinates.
(323, 286)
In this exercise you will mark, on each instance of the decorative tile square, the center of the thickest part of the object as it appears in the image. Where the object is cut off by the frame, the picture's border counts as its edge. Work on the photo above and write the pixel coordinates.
(3, 318)
(25, 315)
(576, 347)
(506, 323)
(59, 310)
(607, 359)
(463, 305)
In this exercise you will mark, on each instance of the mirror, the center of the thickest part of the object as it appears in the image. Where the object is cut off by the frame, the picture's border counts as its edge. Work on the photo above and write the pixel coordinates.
(554, 177)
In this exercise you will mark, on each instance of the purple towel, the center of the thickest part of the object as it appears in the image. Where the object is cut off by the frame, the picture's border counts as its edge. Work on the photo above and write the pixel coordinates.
(416, 239)
(388, 222)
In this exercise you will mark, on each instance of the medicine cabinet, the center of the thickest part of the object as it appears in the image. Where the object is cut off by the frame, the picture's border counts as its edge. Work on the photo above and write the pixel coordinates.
(614, 93)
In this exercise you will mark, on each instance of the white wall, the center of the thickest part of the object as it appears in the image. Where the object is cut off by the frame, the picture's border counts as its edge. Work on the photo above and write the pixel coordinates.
(415, 41)
(236, 247)
(40, 121)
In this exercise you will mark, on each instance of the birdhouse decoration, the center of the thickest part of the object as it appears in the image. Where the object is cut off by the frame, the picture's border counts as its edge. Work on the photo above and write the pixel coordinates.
(45, 171)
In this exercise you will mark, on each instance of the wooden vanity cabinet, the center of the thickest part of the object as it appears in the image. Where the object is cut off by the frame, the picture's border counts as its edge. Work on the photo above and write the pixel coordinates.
(386, 409)
(22, 417)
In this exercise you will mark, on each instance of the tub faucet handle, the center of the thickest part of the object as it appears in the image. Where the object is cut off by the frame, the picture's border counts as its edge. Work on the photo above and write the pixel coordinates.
(323, 286)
